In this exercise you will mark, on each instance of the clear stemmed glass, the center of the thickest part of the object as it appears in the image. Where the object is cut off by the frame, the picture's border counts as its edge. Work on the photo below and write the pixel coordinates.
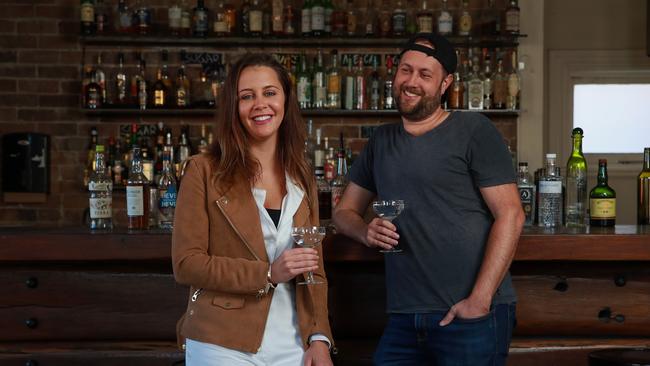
(389, 210)
(308, 237)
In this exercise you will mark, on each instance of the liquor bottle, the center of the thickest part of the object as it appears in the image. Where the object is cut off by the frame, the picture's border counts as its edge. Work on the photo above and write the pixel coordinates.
(220, 24)
(303, 87)
(186, 19)
(169, 146)
(334, 83)
(512, 18)
(370, 23)
(445, 20)
(100, 188)
(200, 19)
(425, 18)
(167, 191)
(110, 160)
(324, 195)
(352, 19)
(549, 210)
(305, 19)
(411, 17)
(330, 161)
(319, 83)
(310, 143)
(160, 91)
(231, 18)
(202, 90)
(147, 164)
(167, 81)
(643, 191)
(475, 87)
(385, 19)
(255, 19)
(93, 94)
(88, 17)
(174, 14)
(141, 17)
(389, 101)
(464, 20)
(339, 23)
(602, 199)
(121, 93)
(527, 193)
(160, 143)
(289, 15)
(456, 91)
(490, 20)
(244, 20)
(328, 11)
(319, 152)
(399, 19)
(90, 156)
(339, 183)
(576, 184)
(486, 76)
(500, 87)
(184, 152)
(317, 18)
(123, 17)
(360, 86)
(349, 97)
(182, 92)
(374, 86)
(266, 18)
(137, 195)
(203, 142)
(464, 77)
(143, 86)
(277, 22)
(135, 82)
(514, 84)
(101, 17)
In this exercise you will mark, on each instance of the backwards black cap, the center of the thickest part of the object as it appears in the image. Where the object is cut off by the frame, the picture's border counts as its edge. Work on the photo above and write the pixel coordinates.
(441, 49)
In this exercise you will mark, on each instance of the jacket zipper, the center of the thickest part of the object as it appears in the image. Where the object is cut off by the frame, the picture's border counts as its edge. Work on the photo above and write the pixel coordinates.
(196, 294)
(237, 232)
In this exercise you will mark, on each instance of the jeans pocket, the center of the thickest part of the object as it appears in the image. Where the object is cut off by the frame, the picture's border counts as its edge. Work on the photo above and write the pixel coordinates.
(480, 319)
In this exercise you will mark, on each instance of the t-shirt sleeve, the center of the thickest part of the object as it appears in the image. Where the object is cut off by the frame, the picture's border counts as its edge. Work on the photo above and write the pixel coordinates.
(489, 159)
(361, 172)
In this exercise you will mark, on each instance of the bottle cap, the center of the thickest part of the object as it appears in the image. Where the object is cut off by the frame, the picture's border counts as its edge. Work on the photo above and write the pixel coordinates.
(551, 156)
(577, 131)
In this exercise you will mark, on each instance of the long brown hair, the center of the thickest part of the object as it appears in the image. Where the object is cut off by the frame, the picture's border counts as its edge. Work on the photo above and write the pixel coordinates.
(230, 151)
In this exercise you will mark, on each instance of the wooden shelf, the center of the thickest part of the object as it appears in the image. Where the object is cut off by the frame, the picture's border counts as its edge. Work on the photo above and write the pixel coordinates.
(305, 112)
(298, 42)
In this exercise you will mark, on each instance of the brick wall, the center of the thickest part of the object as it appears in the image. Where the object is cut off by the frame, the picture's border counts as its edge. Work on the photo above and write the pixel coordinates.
(40, 80)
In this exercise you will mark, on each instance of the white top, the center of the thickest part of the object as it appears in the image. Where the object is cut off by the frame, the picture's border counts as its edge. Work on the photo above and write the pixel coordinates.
(281, 343)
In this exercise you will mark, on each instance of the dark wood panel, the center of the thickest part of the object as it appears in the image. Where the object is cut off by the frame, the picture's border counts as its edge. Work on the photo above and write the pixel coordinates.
(89, 305)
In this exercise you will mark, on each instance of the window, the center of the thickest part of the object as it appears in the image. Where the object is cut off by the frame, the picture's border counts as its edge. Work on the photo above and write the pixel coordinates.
(615, 117)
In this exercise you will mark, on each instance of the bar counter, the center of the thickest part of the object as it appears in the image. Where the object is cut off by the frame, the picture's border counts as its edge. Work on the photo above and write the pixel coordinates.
(71, 296)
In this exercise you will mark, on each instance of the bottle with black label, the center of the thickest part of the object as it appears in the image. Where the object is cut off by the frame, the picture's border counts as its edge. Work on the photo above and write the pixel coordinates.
(527, 193)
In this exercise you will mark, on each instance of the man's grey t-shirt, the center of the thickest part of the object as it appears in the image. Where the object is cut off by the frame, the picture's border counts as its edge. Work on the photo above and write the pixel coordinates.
(445, 225)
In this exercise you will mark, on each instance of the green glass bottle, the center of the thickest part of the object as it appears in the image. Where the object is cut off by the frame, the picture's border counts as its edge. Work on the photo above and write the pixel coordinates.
(602, 199)
(643, 191)
(575, 213)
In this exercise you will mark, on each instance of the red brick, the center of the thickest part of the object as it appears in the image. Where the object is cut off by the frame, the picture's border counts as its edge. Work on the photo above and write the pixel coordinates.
(69, 27)
(17, 11)
(18, 100)
(16, 71)
(56, 11)
(72, 217)
(70, 114)
(333, 132)
(38, 27)
(17, 215)
(59, 72)
(58, 42)
(70, 57)
(7, 115)
(38, 86)
(76, 200)
(35, 114)
(71, 87)
(70, 143)
(8, 56)
(62, 100)
(58, 129)
(7, 85)
(18, 41)
(40, 57)
(7, 26)
(52, 215)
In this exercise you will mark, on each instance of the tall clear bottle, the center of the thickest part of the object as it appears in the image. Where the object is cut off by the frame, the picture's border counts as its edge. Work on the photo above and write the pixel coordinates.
(339, 183)
(319, 83)
(167, 190)
(643, 191)
(576, 184)
(334, 83)
(527, 193)
(100, 189)
(137, 195)
(602, 200)
(550, 195)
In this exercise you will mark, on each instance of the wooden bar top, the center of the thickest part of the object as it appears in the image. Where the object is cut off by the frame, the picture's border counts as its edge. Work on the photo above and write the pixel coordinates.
(621, 243)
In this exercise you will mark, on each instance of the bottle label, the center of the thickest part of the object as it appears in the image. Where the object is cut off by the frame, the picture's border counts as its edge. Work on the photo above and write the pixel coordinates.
(333, 84)
(317, 18)
(527, 195)
(425, 24)
(87, 13)
(174, 14)
(159, 98)
(513, 85)
(303, 90)
(101, 208)
(306, 21)
(100, 186)
(602, 208)
(135, 201)
(167, 198)
(337, 193)
(399, 23)
(464, 24)
(512, 21)
(201, 21)
(550, 187)
(221, 23)
(445, 24)
(255, 18)
(349, 92)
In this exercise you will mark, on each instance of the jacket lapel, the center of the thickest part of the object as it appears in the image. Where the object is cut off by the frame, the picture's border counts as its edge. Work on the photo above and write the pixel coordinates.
(239, 207)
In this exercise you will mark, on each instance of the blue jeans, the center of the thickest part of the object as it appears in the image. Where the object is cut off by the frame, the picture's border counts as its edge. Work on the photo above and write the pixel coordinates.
(418, 340)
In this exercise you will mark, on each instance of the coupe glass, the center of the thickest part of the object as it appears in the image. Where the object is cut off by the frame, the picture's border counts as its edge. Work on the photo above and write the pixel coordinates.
(389, 210)
(308, 237)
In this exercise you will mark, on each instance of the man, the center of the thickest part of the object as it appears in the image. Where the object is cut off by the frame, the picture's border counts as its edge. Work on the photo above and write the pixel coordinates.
(449, 294)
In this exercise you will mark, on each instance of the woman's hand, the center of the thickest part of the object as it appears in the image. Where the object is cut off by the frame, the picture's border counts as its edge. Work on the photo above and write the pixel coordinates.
(293, 262)
(318, 354)
(382, 234)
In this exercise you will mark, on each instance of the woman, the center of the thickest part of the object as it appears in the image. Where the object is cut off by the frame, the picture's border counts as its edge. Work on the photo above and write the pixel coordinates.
(232, 232)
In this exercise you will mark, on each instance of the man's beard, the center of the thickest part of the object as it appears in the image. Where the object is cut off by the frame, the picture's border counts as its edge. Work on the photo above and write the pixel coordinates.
(427, 105)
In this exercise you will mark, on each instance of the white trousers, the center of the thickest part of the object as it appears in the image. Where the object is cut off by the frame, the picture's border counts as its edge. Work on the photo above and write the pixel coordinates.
(206, 354)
